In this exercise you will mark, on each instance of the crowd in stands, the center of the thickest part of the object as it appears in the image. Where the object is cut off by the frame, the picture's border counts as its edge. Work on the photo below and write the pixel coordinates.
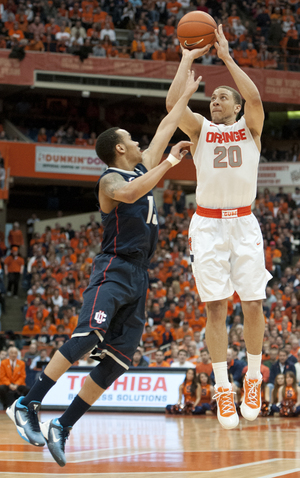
(58, 264)
(260, 34)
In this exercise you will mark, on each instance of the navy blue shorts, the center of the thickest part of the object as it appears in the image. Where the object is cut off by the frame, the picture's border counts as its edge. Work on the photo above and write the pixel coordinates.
(114, 307)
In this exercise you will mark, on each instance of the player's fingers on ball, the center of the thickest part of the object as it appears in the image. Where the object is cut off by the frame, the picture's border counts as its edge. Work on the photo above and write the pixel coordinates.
(183, 153)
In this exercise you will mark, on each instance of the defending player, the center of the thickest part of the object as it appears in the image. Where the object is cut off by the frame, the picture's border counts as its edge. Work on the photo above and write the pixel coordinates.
(113, 313)
(226, 244)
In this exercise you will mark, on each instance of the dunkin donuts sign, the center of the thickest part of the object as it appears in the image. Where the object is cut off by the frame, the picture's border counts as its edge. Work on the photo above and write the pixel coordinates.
(81, 161)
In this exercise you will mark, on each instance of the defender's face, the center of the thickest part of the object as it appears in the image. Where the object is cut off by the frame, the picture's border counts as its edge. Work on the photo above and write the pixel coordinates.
(133, 152)
(223, 109)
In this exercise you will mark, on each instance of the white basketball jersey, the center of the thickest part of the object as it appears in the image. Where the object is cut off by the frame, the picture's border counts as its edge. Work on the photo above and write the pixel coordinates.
(226, 160)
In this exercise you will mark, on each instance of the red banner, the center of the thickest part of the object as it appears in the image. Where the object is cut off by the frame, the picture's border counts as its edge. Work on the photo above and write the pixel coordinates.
(274, 85)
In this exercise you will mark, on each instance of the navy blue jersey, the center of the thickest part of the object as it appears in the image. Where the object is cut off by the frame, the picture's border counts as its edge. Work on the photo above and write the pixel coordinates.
(131, 230)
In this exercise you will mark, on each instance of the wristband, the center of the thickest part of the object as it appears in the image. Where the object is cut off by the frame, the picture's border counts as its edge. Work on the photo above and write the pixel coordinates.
(173, 160)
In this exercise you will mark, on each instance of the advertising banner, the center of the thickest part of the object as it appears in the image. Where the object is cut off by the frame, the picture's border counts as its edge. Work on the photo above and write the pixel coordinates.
(150, 389)
(278, 174)
(274, 85)
(56, 160)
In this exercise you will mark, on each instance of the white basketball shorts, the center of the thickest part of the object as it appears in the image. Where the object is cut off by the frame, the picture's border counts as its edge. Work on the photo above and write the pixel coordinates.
(227, 255)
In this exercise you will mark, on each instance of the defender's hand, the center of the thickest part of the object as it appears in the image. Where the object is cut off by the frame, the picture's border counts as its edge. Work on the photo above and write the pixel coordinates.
(175, 151)
(191, 85)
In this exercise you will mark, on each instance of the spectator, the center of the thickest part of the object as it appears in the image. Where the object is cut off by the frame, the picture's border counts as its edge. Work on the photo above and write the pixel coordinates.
(78, 30)
(190, 390)
(149, 338)
(273, 356)
(108, 31)
(159, 54)
(193, 353)
(40, 361)
(151, 45)
(173, 8)
(205, 366)
(3, 355)
(16, 32)
(281, 366)
(168, 196)
(12, 378)
(13, 267)
(30, 330)
(138, 48)
(138, 360)
(42, 137)
(60, 337)
(15, 236)
(37, 27)
(159, 360)
(182, 361)
(172, 355)
(31, 354)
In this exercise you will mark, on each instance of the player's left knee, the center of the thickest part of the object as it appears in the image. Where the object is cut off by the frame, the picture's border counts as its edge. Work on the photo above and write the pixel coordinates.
(252, 305)
(107, 372)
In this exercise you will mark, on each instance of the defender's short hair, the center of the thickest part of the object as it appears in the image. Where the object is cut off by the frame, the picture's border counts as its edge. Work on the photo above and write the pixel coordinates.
(106, 144)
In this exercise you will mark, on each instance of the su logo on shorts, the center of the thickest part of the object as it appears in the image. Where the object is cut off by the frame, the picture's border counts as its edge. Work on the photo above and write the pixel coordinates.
(100, 317)
(229, 213)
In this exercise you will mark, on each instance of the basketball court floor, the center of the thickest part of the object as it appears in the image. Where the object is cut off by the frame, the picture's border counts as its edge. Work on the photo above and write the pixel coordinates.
(111, 445)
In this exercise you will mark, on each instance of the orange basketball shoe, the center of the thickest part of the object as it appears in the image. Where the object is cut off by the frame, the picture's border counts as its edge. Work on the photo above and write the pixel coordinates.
(227, 414)
(251, 403)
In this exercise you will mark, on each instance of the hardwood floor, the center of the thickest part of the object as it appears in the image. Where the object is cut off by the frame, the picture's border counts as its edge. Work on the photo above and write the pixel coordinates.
(111, 445)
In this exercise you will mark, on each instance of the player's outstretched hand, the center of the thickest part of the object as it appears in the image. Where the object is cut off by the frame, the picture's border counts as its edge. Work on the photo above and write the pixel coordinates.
(221, 44)
(196, 53)
(191, 85)
(176, 149)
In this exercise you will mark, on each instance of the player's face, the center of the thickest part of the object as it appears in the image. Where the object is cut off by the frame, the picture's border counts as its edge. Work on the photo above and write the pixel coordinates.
(289, 381)
(133, 152)
(223, 109)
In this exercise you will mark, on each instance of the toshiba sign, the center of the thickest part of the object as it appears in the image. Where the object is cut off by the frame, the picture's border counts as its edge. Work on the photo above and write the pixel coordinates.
(81, 161)
(150, 389)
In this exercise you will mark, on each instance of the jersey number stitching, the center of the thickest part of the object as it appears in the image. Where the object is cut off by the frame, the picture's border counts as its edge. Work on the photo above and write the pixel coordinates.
(234, 154)
(151, 215)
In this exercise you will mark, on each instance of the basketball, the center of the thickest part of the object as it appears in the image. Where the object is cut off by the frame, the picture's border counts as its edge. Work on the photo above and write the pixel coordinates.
(196, 30)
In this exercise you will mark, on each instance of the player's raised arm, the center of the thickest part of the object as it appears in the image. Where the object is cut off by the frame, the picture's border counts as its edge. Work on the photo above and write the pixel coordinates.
(190, 122)
(114, 187)
(254, 113)
(152, 155)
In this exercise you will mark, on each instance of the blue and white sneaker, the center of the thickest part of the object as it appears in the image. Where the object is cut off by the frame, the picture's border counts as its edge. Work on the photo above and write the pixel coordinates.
(26, 420)
(56, 436)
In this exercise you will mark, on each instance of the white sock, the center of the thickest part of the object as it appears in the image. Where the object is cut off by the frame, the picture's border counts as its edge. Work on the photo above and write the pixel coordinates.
(254, 363)
(221, 374)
